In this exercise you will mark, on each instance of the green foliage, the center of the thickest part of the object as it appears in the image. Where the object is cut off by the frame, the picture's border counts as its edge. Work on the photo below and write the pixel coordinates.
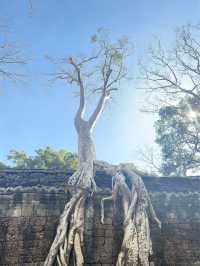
(177, 133)
(46, 158)
(2, 166)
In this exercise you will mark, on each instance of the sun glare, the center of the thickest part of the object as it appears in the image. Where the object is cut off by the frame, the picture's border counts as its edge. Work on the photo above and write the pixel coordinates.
(192, 115)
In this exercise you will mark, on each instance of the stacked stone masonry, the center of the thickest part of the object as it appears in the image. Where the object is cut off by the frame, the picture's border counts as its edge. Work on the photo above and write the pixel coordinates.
(32, 201)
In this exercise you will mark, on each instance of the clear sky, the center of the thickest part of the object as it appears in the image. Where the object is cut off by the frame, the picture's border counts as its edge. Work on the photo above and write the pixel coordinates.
(33, 114)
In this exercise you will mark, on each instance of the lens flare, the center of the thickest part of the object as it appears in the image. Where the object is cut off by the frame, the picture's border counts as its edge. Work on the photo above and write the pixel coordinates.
(192, 115)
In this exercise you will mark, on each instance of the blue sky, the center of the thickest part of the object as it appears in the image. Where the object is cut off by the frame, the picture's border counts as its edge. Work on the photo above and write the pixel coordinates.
(34, 114)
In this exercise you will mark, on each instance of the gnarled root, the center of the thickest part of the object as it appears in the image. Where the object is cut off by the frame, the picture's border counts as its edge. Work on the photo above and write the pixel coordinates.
(69, 236)
(136, 247)
(68, 242)
(84, 177)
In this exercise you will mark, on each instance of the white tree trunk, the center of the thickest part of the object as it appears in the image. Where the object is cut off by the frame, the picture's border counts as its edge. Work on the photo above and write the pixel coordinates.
(86, 155)
(68, 241)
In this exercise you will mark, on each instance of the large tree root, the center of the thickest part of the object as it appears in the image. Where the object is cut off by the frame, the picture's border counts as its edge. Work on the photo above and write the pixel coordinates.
(68, 242)
(69, 237)
(136, 248)
(84, 177)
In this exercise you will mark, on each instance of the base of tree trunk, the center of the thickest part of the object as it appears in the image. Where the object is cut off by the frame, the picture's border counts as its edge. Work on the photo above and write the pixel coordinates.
(128, 187)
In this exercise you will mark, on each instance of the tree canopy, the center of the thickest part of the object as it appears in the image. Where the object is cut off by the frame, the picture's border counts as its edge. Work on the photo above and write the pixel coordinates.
(44, 158)
(179, 138)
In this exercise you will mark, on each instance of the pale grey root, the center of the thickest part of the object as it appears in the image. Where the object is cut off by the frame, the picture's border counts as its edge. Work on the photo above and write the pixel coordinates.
(136, 248)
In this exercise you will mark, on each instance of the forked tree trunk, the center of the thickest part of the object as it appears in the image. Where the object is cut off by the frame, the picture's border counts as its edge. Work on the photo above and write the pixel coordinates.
(84, 176)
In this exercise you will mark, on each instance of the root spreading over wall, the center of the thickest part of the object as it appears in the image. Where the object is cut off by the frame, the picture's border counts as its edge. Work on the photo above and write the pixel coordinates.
(128, 187)
(136, 248)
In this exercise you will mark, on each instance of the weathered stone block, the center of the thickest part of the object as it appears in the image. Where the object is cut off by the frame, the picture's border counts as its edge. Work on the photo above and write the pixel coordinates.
(29, 217)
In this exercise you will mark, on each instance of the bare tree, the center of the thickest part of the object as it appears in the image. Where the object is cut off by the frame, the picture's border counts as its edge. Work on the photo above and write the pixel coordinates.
(149, 158)
(173, 74)
(97, 74)
(10, 57)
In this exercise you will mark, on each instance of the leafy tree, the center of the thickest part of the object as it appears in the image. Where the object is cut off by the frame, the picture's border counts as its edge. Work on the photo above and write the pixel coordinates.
(44, 158)
(2, 166)
(19, 159)
(178, 134)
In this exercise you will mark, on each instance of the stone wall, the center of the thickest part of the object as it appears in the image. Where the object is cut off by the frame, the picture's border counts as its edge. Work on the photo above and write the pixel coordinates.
(31, 202)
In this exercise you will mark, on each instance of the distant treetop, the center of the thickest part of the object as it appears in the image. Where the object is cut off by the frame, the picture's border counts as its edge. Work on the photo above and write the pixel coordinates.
(44, 158)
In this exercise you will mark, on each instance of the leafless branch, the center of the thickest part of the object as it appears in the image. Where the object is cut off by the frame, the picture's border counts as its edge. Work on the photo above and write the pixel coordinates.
(175, 72)
(103, 70)
(10, 59)
(150, 159)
